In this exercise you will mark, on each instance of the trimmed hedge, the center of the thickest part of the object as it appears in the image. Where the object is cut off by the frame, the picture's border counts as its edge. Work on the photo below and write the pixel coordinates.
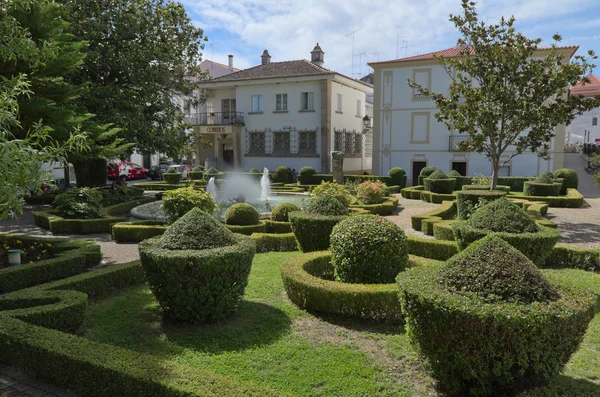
(313, 231)
(438, 182)
(306, 174)
(570, 179)
(436, 198)
(280, 212)
(563, 255)
(487, 188)
(136, 231)
(70, 257)
(443, 230)
(432, 249)
(393, 189)
(241, 214)
(267, 242)
(385, 208)
(573, 199)
(446, 211)
(412, 193)
(468, 200)
(515, 182)
(260, 227)
(172, 177)
(532, 188)
(398, 176)
(58, 225)
(160, 186)
(530, 343)
(275, 227)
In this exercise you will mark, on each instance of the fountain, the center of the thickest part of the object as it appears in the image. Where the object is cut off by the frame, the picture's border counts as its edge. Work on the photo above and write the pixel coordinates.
(211, 188)
(265, 185)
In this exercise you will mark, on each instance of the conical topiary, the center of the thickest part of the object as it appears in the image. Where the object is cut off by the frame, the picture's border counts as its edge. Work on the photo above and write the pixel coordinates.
(502, 215)
(196, 230)
(438, 174)
(494, 271)
(454, 174)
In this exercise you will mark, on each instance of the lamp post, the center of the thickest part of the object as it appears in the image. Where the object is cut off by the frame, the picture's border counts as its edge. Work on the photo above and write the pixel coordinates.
(367, 123)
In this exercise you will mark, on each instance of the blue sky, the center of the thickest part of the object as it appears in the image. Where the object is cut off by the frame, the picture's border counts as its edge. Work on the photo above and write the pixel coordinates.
(290, 29)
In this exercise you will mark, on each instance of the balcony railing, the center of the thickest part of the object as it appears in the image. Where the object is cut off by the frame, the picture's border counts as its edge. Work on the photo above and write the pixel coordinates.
(215, 118)
(454, 140)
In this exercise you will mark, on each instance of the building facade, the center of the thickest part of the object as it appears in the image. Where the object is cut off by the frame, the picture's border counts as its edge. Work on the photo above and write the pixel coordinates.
(586, 127)
(292, 113)
(407, 135)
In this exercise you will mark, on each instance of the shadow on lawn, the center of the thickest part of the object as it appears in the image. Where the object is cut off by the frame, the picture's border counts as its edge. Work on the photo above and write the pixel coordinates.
(565, 386)
(375, 327)
(254, 324)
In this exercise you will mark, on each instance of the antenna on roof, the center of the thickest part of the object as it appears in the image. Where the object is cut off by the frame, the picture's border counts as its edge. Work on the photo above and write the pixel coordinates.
(353, 33)
(406, 46)
(360, 63)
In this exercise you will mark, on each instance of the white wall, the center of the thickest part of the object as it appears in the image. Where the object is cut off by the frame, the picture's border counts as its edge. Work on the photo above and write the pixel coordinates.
(583, 123)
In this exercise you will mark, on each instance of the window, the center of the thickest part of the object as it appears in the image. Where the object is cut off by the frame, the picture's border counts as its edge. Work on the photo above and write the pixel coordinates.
(348, 142)
(423, 77)
(307, 101)
(594, 121)
(257, 103)
(187, 106)
(419, 127)
(228, 108)
(281, 102)
(339, 103)
(358, 143)
(307, 142)
(256, 143)
(460, 167)
(281, 142)
(359, 108)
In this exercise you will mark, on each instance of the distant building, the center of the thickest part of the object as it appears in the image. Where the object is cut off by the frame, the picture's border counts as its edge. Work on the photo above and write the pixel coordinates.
(586, 128)
(407, 135)
(291, 113)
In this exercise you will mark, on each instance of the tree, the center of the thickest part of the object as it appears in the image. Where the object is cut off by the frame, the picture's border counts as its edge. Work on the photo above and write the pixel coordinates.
(140, 56)
(50, 97)
(21, 162)
(507, 95)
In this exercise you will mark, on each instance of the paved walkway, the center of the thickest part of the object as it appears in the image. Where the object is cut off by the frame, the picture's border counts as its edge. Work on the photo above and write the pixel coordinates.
(14, 383)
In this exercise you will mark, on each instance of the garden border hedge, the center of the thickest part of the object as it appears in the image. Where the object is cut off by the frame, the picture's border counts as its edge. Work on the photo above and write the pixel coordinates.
(260, 227)
(313, 231)
(276, 227)
(71, 257)
(568, 256)
(306, 279)
(136, 231)
(573, 199)
(269, 242)
(446, 211)
(385, 208)
(432, 249)
(50, 220)
(413, 192)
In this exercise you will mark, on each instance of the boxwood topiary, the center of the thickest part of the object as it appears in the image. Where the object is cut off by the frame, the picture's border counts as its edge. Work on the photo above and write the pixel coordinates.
(425, 172)
(280, 212)
(569, 177)
(177, 202)
(502, 215)
(197, 172)
(454, 174)
(438, 182)
(368, 249)
(468, 201)
(473, 347)
(534, 188)
(305, 176)
(198, 270)
(312, 232)
(171, 176)
(282, 174)
(398, 176)
(241, 214)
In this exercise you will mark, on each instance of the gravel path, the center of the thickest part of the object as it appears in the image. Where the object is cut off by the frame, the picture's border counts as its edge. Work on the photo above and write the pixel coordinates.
(408, 208)
(579, 227)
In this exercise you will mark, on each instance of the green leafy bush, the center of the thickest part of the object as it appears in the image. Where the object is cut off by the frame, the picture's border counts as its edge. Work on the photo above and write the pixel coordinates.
(398, 176)
(176, 203)
(79, 203)
(306, 174)
(371, 192)
(473, 347)
(438, 182)
(325, 205)
(502, 215)
(569, 177)
(545, 177)
(241, 214)
(481, 180)
(120, 194)
(198, 269)
(368, 249)
(280, 212)
(282, 175)
(312, 232)
(255, 171)
(172, 176)
(467, 201)
(334, 190)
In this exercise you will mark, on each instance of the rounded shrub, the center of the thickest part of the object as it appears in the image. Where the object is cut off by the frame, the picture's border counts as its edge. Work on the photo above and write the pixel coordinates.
(545, 177)
(177, 202)
(241, 214)
(534, 188)
(312, 232)
(467, 201)
(488, 323)
(332, 189)
(255, 171)
(79, 203)
(197, 172)
(502, 215)
(454, 174)
(282, 174)
(425, 172)
(371, 192)
(368, 249)
(570, 179)
(280, 212)
(305, 176)
(438, 182)
(398, 176)
(325, 205)
(198, 270)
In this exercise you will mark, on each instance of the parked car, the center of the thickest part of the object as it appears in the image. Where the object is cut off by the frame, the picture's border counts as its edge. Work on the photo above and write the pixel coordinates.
(181, 168)
(156, 171)
(126, 170)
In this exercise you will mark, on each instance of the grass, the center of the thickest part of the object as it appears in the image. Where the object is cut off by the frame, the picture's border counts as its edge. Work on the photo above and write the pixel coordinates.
(272, 343)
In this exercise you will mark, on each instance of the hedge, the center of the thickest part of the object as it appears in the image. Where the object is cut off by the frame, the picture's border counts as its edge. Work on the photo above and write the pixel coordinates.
(136, 231)
(563, 255)
(536, 246)
(467, 200)
(70, 257)
(393, 189)
(159, 186)
(275, 227)
(515, 182)
(440, 185)
(308, 282)
(312, 231)
(436, 198)
(532, 188)
(316, 179)
(446, 211)
(385, 208)
(443, 230)
(502, 188)
(432, 249)
(267, 242)
(412, 193)
(172, 177)
(261, 227)
(428, 224)
(59, 225)
(570, 179)
(573, 199)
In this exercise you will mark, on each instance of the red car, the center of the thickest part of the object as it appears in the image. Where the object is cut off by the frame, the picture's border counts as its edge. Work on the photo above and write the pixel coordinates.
(126, 169)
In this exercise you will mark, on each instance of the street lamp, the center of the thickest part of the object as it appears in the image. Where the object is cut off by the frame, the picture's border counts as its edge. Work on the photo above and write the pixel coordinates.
(367, 122)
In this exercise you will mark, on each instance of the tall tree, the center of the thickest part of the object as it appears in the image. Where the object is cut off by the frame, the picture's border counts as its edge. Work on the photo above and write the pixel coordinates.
(505, 94)
(140, 56)
(50, 97)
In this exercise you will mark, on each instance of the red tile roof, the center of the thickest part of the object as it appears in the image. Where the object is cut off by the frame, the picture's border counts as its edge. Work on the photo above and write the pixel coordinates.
(275, 70)
(591, 88)
(452, 52)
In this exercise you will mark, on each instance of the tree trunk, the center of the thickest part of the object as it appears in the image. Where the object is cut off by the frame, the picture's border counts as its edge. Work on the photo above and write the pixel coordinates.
(91, 172)
(495, 168)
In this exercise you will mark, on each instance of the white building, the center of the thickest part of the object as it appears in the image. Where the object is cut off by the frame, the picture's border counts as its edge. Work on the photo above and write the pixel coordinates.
(585, 128)
(291, 113)
(407, 135)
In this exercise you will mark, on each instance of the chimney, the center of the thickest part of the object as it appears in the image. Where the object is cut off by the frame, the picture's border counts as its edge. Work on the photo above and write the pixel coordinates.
(265, 58)
(230, 63)
(317, 56)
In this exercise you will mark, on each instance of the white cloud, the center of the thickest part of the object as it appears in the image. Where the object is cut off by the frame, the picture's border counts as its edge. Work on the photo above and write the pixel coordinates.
(290, 29)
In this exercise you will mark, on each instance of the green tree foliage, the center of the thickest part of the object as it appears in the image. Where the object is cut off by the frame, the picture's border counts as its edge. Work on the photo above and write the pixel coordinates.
(503, 85)
(140, 56)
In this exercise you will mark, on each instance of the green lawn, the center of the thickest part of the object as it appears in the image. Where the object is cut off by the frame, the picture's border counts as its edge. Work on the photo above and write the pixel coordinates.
(272, 343)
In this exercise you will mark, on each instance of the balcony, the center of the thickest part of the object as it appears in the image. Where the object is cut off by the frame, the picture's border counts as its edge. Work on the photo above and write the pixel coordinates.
(454, 140)
(215, 118)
